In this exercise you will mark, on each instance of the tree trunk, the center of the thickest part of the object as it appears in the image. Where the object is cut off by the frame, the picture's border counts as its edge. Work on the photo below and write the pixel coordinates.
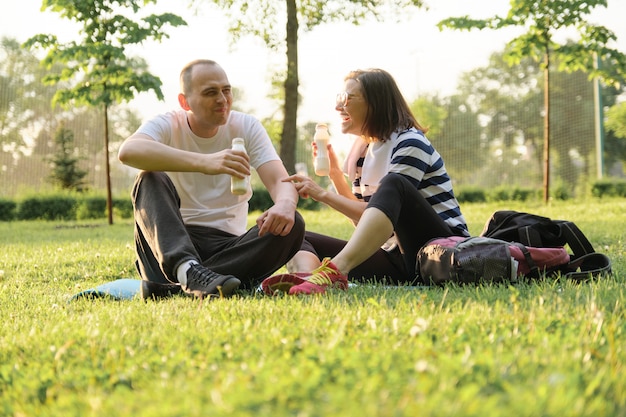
(289, 133)
(108, 165)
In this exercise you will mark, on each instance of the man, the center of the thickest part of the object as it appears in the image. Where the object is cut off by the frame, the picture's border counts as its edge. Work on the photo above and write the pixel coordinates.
(190, 230)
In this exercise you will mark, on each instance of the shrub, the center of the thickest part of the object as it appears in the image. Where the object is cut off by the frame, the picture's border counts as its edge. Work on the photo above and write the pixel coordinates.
(309, 204)
(91, 208)
(560, 192)
(501, 193)
(7, 210)
(47, 208)
(123, 207)
(260, 200)
(512, 193)
(609, 188)
(470, 195)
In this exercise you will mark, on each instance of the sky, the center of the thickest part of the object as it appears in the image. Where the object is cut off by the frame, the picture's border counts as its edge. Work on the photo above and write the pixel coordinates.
(422, 59)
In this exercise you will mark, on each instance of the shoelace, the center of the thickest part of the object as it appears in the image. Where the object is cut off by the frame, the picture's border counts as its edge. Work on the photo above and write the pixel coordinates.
(320, 276)
(203, 277)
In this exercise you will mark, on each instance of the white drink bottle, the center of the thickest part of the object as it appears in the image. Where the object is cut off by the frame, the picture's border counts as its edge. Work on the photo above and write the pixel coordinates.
(239, 185)
(321, 138)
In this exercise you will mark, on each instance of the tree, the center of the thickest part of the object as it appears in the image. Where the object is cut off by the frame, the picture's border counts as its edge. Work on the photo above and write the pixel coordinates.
(615, 145)
(508, 101)
(23, 98)
(266, 20)
(65, 171)
(542, 18)
(616, 120)
(454, 130)
(99, 67)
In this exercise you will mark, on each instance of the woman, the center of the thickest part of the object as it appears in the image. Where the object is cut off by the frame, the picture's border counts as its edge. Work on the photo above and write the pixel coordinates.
(401, 195)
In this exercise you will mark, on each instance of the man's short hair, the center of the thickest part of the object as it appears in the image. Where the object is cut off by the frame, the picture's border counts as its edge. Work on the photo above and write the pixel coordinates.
(185, 73)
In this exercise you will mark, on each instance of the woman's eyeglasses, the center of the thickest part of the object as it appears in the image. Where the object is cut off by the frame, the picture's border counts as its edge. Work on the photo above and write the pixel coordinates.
(344, 98)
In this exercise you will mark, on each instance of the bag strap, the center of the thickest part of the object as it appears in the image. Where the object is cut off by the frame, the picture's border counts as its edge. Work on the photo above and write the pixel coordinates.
(532, 265)
(530, 237)
(577, 241)
(574, 237)
(589, 265)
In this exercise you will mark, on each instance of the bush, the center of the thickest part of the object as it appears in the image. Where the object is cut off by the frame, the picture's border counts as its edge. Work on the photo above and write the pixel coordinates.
(309, 204)
(609, 188)
(470, 195)
(511, 193)
(560, 192)
(123, 207)
(47, 208)
(7, 210)
(91, 208)
(260, 200)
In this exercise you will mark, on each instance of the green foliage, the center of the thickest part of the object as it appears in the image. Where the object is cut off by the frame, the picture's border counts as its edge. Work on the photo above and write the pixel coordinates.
(123, 208)
(561, 191)
(62, 206)
(266, 19)
(541, 20)
(468, 194)
(68, 206)
(100, 69)
(507, 148)
(507, 193)
(94, 207)
(65, 171)
(430, 113)
(25, 113)
(543, 349)
(7, 210)
(24, 100)
(609, 188)
(71, 206)
(260, 200)
(616, 120)
(459, 137)
(91, 208)
(47, 208)
(105, 72)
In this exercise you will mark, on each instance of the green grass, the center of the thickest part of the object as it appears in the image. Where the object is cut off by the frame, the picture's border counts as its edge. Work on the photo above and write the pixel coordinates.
(543, 349)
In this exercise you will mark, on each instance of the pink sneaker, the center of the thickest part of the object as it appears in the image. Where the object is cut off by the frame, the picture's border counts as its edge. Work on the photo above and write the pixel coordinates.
(324, 276)
(282, 282)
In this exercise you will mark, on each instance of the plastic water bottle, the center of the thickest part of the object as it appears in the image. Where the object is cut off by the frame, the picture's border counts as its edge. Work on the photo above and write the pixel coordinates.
(239, 185)
(321, 138)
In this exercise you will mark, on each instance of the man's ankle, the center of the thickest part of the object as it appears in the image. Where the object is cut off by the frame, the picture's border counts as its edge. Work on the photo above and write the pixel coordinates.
(181, 271)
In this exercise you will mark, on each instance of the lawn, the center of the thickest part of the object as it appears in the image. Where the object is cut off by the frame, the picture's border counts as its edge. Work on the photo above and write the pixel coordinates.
(552, 348)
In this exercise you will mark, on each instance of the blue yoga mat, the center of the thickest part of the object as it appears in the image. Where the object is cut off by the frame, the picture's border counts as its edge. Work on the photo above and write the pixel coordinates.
(121, 289)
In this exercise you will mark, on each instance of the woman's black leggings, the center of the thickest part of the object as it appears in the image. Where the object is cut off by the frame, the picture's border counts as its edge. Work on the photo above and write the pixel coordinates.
(415, 222)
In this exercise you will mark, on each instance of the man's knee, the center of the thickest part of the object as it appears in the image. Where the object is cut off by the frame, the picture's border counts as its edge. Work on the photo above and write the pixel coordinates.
(151, 177)
(151, 180)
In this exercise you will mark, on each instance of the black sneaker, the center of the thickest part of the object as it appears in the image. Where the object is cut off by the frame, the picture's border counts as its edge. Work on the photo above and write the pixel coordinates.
(155, 290)
(202, 282)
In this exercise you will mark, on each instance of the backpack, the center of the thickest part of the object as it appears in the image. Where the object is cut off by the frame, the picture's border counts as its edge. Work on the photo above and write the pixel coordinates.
(466, 260)
(513, 246)
(538, 231)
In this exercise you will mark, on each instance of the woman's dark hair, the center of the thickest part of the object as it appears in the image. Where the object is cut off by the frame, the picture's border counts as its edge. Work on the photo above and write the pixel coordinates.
(387, 110)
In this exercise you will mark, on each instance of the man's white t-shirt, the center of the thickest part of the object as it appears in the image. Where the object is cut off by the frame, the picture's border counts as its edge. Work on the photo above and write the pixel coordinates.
(206, 200)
